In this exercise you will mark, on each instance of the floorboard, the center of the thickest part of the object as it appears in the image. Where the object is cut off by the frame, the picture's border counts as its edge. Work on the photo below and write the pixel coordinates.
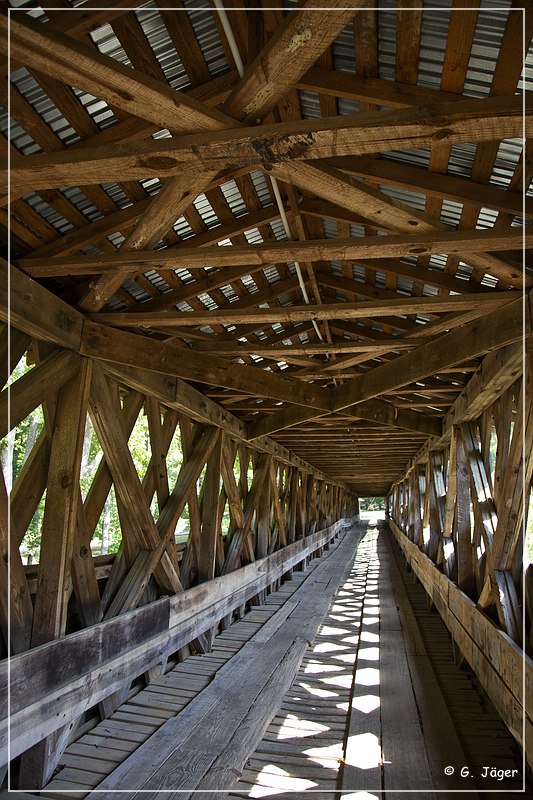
(375, 705)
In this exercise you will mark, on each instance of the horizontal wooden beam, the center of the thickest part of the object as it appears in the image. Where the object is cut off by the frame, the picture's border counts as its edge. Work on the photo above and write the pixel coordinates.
(291, 314)
(233, 347)
(378, 411)
(372, 90)
(337, 187)
(55, 321)
(92, 663)
(365, 247)
(463, 121)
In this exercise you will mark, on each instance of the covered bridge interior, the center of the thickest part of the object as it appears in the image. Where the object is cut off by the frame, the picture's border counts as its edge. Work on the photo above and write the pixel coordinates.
(263, 263)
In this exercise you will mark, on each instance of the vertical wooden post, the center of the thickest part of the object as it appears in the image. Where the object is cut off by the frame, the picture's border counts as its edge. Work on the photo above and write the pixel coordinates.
(465, 550)
(13, 579)
(59, 526)
(210, 515)
(61, 508)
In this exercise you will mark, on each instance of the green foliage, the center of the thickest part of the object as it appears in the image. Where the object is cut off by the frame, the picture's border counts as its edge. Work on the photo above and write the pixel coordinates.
(16, 447)
(372, 504)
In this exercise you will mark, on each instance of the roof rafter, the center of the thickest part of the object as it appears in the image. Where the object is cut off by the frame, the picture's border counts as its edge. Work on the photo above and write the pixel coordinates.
(267, 316)
(366, 247)
(501, 327)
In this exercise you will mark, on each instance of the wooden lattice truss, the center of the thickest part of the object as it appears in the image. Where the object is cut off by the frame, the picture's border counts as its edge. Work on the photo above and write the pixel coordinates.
(362, 331)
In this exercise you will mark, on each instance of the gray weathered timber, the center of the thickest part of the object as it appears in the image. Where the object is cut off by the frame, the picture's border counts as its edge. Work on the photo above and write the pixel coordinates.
(74, 673)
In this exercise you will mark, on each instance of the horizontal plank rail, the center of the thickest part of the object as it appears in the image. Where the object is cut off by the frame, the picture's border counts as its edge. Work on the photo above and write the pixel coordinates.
(71, 674)
(497, 661)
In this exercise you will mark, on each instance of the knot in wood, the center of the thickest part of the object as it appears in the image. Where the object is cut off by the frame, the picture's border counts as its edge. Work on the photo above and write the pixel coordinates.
(66, 323)
(443, 133)
(159, 163)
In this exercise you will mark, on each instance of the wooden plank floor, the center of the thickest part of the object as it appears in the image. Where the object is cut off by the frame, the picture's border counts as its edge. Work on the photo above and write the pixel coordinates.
(377, 706)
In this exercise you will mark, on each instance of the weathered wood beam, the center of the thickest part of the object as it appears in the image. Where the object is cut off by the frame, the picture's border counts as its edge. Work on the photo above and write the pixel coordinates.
(335, 186)
(291, 314)
(57, 322)
(94, 232)
(93, 15)
(371, 410)
(233, 347)
(239, 537)
(126, 480)
(175, 393)
(61, 508)
(397, 267)
(16, 610)
(375, 91)
(203, 442)
(109, 344)
(158, 450)
(294, 47)
(497, 372)
(518, 474)
(174, 197)
(40, 47)
(51, 320)
(13, 345)
(463, 121)
(445, 187)
(365, 247)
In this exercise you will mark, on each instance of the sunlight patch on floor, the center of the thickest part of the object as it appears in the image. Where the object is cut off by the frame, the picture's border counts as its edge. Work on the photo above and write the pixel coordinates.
(363, 751)
(366, 703)
(317, 668)
(278, 781)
